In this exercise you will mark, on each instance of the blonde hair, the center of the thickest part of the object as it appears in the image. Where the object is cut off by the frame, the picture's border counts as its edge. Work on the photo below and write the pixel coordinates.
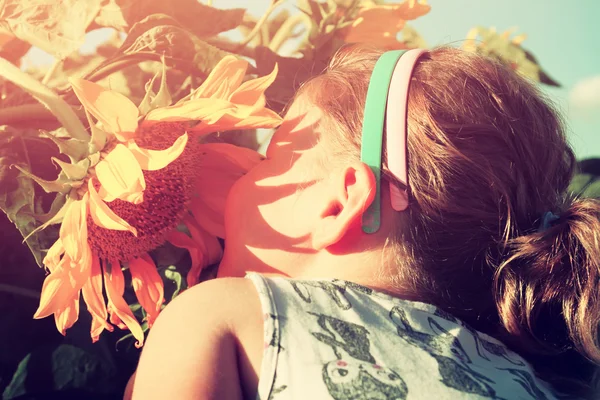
(488, 156)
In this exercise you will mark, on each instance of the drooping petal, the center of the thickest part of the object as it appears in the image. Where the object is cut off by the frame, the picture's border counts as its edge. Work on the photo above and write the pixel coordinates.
(116, 112)
(66, 317)
(223, 79)
(222, 165)
(152, 160)
(103, 216)
(53, 255)
(71, 229)
(120, 175)
(148, 286)
(92, 295)
(183, 241)
(209, 244)
(252, 93)
(211, 251)
(57, 291)
(114, 282)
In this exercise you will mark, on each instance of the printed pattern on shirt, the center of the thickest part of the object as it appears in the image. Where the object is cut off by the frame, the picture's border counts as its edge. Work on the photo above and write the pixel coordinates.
(356, 343)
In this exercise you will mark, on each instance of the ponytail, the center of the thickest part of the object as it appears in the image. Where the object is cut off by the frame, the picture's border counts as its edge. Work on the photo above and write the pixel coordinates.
(548, 289)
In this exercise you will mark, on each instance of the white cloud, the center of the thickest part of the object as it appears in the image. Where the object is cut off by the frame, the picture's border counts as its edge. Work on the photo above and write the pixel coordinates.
(584, 98)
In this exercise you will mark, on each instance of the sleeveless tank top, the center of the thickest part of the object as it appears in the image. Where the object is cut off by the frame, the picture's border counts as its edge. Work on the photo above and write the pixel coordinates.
(333, 339)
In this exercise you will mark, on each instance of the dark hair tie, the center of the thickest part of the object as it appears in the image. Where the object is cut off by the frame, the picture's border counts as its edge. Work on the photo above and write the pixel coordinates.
(547, 220)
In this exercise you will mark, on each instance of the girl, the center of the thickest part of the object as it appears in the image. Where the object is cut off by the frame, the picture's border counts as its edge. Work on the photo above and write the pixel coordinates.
(473, 275)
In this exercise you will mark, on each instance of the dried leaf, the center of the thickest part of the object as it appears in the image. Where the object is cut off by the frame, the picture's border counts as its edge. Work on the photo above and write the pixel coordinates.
(17, 191)
(293, 72)
(181, 49)
(57, 27)
(204, 21)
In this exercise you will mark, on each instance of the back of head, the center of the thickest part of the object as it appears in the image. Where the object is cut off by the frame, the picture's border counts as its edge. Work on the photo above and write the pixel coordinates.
(487, 158)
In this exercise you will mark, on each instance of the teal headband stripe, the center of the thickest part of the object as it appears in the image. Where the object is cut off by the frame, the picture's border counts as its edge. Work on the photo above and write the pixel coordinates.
(372, 130)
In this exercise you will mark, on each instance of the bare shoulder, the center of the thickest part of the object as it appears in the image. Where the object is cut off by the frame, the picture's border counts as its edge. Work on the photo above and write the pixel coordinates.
(199, 340)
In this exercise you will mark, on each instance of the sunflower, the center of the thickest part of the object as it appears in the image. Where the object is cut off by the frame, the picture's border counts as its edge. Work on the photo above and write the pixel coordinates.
(141, 184)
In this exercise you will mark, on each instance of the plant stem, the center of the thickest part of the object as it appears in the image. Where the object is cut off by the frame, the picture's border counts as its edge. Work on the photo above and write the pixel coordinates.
(231, 47)
(51, 71)
(283, 33)
(30, 112)
(20, 291)
(259, 24)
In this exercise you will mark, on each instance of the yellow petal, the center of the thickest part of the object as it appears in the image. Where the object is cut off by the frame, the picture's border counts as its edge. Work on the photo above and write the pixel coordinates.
(72, 229)
(116, 112)
(152, 160)
(65, 281)
(92, 295)
(242, 117)
(66, 317)
(53, 255)
(114, 283)
(148, 286)
(57, 291)
(205, 109)
(103, 216)
(252, 92)
(225, 77)
(121, 176)
(181, 240)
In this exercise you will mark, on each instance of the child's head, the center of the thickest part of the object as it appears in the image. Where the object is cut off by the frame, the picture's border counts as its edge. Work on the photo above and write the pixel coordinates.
(487, 158)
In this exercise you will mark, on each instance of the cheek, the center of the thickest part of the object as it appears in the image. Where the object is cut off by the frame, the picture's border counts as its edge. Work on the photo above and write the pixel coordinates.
(265, 212)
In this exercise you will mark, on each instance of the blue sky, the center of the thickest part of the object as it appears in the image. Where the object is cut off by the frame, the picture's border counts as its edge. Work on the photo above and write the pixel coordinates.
(563, 35)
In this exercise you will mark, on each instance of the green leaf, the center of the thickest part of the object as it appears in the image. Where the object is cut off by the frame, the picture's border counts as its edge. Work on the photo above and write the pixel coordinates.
(579, 183)
(75, 149)
(204, 21)
(412, 38)
(502, 47)
(173, 275)
(57, 27)
(65, 369)
(47, 97)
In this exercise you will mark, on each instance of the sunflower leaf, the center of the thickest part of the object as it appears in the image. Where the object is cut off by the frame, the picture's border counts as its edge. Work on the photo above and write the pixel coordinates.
(204, 21)
(57, 27)
(18, 197)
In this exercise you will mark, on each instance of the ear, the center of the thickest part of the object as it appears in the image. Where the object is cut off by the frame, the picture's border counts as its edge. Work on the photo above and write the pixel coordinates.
(352, 191)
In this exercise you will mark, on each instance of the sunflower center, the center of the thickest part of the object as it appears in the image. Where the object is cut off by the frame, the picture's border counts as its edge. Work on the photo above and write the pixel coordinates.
(166, 197)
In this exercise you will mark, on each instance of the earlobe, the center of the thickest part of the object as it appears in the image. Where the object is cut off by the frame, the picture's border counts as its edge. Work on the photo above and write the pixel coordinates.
(352, 191)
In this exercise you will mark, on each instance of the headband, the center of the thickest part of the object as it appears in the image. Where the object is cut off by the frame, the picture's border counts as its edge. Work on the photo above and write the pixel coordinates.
(387, 99)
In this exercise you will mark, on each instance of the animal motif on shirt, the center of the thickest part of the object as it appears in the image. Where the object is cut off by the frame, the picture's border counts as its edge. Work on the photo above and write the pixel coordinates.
(483, 346)
(354, 374)
(453, 361)
(335, 289)
(528, 382)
